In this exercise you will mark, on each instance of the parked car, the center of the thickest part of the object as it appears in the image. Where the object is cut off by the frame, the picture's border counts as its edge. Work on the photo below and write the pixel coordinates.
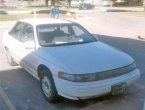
(86, 6)
(75, 4)
(67, 59)
(107, 3)
(120, 3)
(3, 12)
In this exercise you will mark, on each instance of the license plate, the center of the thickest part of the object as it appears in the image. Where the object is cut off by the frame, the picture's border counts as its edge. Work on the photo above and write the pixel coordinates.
(119, 88)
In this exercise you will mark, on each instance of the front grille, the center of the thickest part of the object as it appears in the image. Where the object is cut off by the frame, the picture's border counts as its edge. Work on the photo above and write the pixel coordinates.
(107, 74)
(115, 72)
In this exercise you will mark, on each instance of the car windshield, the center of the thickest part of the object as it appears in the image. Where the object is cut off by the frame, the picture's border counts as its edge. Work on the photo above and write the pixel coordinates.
(63, 34)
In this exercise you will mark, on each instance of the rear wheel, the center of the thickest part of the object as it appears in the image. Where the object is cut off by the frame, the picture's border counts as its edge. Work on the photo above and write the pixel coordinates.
(47, 86)
(10, 58)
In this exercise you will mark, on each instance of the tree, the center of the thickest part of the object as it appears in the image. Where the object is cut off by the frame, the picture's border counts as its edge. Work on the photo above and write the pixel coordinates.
(134, 2)
(144, 4)
(53, 2)
(46, 3)
(69, 4)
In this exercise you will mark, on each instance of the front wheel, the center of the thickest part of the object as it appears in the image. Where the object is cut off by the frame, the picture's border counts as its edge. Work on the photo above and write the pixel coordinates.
(48, 87)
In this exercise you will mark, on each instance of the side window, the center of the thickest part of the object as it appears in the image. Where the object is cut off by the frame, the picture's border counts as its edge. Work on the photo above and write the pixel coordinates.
(77, 31)
(16, 31)
(27, 33)
(64, 29)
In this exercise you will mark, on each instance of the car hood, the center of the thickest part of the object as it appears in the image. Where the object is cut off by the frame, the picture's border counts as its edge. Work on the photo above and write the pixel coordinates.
(86, 58)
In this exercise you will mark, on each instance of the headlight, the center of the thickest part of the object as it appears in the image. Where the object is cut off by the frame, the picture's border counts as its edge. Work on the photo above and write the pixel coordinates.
(77, 77)
(66, 76)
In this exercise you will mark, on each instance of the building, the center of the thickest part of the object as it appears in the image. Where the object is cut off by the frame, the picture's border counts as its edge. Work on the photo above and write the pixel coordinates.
(94, 2)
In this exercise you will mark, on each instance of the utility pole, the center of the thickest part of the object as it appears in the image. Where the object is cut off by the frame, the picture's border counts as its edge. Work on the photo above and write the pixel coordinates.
(144, 4)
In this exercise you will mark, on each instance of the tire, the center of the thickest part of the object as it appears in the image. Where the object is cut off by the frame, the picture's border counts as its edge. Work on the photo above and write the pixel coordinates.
(10, 59)
(47, 86)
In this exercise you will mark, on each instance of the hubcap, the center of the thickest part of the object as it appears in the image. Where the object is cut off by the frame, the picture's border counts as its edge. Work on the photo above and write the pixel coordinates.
(46, 86)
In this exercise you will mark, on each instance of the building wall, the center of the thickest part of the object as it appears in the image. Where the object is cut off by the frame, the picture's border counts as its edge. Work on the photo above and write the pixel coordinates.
(95, 2)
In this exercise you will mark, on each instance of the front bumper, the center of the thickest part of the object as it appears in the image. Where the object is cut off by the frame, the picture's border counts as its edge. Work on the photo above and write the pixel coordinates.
(86, 90)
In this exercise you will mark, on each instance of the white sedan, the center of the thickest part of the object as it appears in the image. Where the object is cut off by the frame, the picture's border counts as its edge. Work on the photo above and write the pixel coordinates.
(67, 59)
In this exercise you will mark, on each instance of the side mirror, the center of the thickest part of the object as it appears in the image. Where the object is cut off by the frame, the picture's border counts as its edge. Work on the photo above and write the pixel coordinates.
(29, 45)
(96, 36)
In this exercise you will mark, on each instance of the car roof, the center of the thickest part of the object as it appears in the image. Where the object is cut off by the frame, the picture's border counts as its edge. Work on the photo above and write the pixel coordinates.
(39, 21)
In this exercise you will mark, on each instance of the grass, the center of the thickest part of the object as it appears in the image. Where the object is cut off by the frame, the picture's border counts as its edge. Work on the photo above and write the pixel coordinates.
(23, 8)
(10, 17)
(7, 17)
(137, 14)
(134, 6)
(31, 8)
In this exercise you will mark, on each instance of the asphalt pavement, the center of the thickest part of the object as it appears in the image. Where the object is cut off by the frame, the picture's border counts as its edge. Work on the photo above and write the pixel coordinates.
(3, 106)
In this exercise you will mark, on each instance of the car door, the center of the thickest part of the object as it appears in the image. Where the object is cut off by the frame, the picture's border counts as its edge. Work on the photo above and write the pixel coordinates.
(13, 42)
(28, 55)
(24, 46)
